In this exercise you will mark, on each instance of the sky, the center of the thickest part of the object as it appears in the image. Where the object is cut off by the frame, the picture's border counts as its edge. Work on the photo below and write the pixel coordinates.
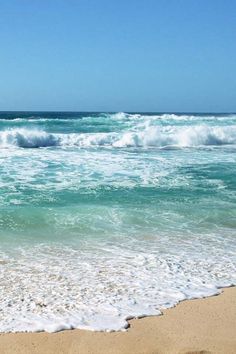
(118, 55)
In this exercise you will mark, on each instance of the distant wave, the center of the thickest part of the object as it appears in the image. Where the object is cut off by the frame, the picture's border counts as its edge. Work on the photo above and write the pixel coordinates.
(150, 136)
(170, 116)
(120, 116)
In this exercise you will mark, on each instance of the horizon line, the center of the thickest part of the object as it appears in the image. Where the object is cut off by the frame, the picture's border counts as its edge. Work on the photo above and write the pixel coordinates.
(106, 111)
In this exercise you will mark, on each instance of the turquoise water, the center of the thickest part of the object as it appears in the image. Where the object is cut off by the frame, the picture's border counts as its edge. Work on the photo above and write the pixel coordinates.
(109, 216)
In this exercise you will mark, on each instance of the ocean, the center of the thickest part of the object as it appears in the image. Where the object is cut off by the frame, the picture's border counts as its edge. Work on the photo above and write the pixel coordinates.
(109, 216)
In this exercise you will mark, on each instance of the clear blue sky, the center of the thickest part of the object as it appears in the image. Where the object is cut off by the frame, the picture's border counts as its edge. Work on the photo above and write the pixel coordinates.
(118, 55)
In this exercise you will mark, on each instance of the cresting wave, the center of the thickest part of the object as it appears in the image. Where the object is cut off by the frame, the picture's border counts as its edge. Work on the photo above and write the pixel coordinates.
(27, 138)
(142, 136)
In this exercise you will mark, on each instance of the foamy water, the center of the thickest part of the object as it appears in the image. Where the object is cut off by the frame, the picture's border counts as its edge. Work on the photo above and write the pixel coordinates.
(105, 217)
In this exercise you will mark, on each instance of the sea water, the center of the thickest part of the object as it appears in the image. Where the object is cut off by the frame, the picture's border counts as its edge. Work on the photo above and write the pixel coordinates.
(105, 217)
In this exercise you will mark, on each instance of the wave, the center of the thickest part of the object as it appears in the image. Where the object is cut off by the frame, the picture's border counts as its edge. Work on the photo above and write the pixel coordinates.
(143, 137)
(117, 116)
(26, 138)
(170, 116)
(187, 136)
(153, 136)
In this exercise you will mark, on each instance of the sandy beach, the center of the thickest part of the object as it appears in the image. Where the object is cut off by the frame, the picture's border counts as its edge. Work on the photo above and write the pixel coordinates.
(196, 326)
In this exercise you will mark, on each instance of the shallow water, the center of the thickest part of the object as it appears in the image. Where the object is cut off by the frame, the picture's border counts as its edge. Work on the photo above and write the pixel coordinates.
(109, 216)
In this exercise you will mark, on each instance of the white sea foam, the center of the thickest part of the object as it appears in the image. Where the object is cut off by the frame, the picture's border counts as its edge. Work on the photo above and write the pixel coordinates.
(52, 288)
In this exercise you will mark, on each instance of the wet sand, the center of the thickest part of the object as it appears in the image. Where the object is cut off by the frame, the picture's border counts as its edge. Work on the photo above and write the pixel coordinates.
(196, 326)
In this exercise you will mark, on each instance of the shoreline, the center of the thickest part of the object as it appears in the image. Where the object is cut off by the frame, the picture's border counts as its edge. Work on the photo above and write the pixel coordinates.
(203, 326)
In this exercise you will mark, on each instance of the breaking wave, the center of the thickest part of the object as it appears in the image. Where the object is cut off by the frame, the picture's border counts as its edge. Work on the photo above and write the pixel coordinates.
(144, 137)
(186, 136)
(27, 138)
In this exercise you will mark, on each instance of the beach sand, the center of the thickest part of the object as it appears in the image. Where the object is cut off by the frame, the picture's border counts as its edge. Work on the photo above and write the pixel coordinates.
(196, 326)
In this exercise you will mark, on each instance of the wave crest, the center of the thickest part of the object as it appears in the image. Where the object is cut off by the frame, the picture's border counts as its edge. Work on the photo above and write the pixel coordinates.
(182, 136)
(26, 138)
(155, 136)
(149, 136)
